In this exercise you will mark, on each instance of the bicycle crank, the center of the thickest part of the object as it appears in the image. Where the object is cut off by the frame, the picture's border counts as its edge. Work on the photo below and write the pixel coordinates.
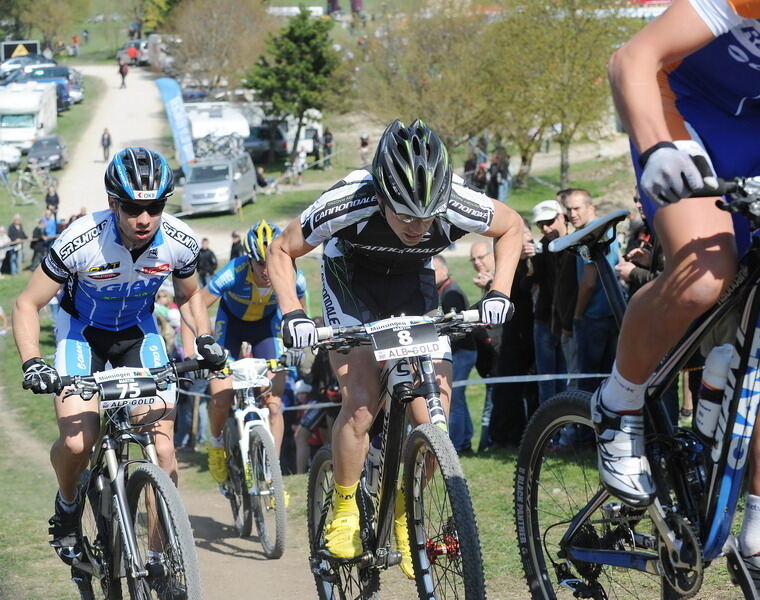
(679, 550)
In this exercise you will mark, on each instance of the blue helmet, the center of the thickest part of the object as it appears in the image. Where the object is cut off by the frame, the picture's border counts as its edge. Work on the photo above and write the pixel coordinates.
(139, 174)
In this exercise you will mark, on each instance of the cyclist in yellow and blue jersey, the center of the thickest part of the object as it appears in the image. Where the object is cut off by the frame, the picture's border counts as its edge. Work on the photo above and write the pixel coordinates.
(248, 312)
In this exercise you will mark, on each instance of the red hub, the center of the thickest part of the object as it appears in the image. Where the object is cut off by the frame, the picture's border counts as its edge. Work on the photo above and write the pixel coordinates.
(448, 547)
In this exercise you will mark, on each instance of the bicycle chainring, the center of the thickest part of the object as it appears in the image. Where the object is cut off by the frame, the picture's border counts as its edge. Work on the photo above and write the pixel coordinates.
(685, 580)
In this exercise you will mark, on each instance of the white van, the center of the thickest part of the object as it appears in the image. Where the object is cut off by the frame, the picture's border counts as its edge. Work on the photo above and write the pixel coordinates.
(219, 184)
(216, 119)
(28, 111)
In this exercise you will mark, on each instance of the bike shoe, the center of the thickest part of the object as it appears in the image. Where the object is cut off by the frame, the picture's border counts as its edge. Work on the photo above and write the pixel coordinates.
(166, 588)
(217, 464)
(401, 533)
(752, 564)
(623, 465)
(64, 527)
(342, 536)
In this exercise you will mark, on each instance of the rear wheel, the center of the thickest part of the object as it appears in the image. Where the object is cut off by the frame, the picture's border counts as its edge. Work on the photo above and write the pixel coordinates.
(556, 477)
(164, 537)
(268, 495)
(335, 579)
(443, 533)
(237, 488)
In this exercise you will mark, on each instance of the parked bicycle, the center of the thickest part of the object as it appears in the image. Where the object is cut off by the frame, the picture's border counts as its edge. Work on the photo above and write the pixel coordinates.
(133, 525)
(442, 529)
(254, 484)
(575, 539)
(35, 177)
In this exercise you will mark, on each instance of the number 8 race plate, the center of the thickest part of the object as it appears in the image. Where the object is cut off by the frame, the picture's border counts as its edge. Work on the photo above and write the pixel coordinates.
(403, 336)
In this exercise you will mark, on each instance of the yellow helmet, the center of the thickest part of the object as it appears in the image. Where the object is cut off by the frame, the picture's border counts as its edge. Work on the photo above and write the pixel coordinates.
(257, 239)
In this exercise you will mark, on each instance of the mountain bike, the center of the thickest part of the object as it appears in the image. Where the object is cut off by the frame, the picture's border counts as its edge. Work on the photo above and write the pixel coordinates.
(133, 525)
(441, 523)
(34, 178)
(254, 484)
(575, 539)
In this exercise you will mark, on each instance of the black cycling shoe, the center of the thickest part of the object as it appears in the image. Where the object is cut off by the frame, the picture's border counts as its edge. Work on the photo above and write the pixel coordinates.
(752, 564)
(64, 527)
(166, 588)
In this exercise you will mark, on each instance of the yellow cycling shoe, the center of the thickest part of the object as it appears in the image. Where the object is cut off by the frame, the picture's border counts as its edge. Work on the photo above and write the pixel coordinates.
(401, 533)
(342, 538)
(273, 501)
(217, 464)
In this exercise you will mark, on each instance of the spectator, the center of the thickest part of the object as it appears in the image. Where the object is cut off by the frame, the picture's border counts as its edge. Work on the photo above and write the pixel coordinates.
(38, 244)
(506, 178)
(123, 70)
(206, 262)
(364, 149)
(75, 40)
(317, 151)
(594, 326)
(105, 144)
(132, 54)
(493, 178)
(300, 164)
(51, 199)
(86, 36)
(514, 403)
(550, 218)
(480, 177)
(17, 235)
(51, 227)
(463, 357)
(329, 144)
(237, 246)
(470, 165)
(5, 245)
(487, 339)
(565, 295)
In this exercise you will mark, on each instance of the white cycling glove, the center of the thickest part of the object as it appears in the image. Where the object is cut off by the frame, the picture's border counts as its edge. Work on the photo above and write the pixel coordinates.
(495, 308)
(675, 170)
(298, 330)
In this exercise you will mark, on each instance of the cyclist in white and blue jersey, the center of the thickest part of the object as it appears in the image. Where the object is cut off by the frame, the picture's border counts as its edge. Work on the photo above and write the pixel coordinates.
(110, 263)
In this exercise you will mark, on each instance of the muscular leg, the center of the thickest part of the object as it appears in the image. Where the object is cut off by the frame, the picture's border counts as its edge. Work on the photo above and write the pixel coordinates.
(359, 378)
(273, 402)
(164, 437)
(77, 432)
(700, 261)
(219, 406)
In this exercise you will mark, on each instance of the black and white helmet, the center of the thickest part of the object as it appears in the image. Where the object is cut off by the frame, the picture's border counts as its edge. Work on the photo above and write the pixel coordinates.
(412, 170)
(139, 174)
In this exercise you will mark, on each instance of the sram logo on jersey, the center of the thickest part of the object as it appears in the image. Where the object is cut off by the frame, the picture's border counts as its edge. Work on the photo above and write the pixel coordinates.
(79, 241)
(339, 208)
(155, 270)
(186, 240)
(105, 267)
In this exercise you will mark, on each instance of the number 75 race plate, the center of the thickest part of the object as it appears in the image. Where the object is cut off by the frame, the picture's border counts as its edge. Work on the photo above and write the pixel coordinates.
(403, 336)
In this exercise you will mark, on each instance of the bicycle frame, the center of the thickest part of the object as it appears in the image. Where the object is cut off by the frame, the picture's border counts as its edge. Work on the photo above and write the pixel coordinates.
(725, 464)
(248, 414)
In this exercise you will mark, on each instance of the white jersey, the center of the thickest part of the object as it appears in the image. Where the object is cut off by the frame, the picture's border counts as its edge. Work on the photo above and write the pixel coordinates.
(106, 285)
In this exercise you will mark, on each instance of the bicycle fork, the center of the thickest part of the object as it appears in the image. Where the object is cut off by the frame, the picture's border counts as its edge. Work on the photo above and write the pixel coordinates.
(400, 385)
(246, 420)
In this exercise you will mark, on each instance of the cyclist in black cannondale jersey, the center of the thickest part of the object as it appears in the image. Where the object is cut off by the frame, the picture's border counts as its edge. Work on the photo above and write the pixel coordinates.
(380, 228)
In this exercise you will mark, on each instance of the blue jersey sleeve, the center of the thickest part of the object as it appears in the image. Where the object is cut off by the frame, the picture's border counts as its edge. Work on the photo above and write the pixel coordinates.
(300, 284)
(223, 279)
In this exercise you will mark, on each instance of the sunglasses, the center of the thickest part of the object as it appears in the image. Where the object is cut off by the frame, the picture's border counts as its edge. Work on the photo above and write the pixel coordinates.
(407, 219)
(546, 222)
(133, 209)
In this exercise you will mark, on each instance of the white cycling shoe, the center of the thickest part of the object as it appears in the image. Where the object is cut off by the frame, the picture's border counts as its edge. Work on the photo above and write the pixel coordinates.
(623, 465)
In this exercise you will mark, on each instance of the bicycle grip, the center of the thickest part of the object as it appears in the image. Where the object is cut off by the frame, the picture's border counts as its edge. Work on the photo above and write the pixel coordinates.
(191, 364)
(324, 333)
(66, 380)
(471, 316)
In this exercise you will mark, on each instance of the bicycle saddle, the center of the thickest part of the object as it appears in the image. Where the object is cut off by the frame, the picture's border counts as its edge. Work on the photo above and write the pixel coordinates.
(591, 234)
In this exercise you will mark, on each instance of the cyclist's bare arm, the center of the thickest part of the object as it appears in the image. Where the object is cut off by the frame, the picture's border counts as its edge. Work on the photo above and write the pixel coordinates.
(507, 229)
(634, 68)
(187, 294)
(280, 256)
(26, 319)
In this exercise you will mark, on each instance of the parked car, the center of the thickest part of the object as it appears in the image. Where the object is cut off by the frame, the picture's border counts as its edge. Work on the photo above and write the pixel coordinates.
(219, 184)
(258, 141)
(49, 152)
(10, 156)
(11, 64)
(71, 77)
(142, 52)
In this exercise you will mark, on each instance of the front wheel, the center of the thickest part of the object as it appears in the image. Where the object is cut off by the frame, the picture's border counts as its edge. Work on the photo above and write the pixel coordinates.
(555, 479)
(164, 537)
(267, 493)
(443, 533)
(237, 483)
(334, 578)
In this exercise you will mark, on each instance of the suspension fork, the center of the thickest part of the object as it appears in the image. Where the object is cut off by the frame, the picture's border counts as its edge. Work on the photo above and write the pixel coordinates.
(431, 392)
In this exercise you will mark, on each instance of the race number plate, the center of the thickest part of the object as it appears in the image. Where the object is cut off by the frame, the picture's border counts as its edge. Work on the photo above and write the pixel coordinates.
(125, 387)
(401, 337)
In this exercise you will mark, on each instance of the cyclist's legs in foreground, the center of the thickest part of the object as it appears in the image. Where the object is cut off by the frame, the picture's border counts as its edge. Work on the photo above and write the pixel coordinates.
(273, 401)
(700, 261)
(218, 409)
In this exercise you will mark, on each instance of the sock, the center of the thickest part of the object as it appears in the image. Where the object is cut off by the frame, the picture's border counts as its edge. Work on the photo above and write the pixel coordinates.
(344, 502)
(216, 441)
(620, 395)
(749, 537)
(68, 507)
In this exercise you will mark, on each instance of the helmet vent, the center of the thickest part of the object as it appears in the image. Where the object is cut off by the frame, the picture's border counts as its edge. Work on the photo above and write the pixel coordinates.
(416, 148)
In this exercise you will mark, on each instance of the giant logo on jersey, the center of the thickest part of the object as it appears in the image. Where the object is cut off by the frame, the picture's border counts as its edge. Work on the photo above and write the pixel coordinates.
(79, 241)
(186, 240)
(124, 290)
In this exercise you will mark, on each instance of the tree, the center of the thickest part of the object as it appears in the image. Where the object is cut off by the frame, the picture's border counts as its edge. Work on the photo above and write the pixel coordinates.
(298, 71)
(426, 62)
(52, 18)
(219, 39)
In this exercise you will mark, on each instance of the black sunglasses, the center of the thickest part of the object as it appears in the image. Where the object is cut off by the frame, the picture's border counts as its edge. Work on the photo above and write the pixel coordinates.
(133, 209)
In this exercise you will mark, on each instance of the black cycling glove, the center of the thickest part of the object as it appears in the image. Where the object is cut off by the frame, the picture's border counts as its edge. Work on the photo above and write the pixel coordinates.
(211, 351)
(40, 377)
(298, 330)
(495, 308)
(293, 357)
